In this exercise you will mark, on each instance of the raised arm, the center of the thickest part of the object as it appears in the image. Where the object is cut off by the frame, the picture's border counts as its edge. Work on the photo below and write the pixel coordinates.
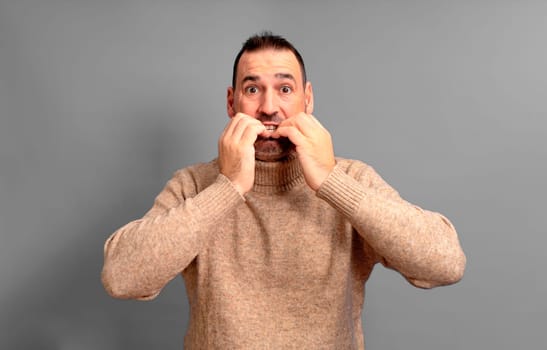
(143, 256)
(422, 245)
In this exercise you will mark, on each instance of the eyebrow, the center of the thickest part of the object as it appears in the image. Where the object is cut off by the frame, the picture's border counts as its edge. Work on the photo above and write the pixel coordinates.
(285, 76)
(255, 78)
(251, 78)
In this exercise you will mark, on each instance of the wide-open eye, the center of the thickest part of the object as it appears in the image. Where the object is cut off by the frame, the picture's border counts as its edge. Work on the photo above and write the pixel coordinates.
(251, 90)
(285, 89)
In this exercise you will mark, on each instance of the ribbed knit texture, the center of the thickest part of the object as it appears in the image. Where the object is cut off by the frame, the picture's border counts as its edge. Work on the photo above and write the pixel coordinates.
(284, 267)
(344, 193)
(276, 177)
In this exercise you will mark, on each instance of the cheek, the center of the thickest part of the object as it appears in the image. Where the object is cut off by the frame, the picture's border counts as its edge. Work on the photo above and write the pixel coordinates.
(293, 107)
(245, 105)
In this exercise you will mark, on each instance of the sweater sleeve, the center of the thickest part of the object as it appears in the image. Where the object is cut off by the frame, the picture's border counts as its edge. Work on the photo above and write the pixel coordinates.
(422, 245)
(141, 257)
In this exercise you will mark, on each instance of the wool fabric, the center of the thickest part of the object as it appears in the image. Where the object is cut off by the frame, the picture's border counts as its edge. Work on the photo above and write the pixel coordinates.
(283, 267)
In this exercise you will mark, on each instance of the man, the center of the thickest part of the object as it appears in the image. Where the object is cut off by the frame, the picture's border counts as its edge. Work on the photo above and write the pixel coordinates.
(276, 238)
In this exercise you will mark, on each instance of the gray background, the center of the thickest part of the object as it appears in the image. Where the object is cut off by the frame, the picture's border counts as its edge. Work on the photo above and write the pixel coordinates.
(101, 101)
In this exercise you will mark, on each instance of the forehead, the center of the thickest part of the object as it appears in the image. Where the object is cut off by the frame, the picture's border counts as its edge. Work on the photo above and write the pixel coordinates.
(268, 63)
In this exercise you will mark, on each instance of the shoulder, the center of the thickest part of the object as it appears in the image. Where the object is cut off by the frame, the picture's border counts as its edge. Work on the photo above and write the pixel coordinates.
(196, 177)
(199, 170)
(355, 168)
(366, 175)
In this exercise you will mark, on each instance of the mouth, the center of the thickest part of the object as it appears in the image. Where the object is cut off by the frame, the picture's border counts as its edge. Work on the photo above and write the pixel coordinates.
(271, 127)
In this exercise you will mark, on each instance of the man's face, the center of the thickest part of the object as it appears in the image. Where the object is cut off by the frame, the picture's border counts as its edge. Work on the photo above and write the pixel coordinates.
(269, 87)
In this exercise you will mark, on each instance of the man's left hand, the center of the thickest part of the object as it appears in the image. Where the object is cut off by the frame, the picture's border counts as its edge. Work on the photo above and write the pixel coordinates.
(313, 146)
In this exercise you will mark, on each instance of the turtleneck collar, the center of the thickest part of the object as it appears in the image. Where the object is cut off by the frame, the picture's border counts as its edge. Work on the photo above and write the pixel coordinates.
(275, 177)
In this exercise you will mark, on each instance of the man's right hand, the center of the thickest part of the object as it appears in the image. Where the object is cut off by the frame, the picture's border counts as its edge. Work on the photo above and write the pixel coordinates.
(236, 152)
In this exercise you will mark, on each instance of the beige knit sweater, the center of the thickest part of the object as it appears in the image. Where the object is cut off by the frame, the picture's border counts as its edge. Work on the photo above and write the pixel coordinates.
(284, 267)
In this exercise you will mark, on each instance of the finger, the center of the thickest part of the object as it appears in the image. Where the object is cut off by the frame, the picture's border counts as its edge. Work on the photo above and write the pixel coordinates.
(293, 133)
(250, 134)
(231, 132)
(305, 123)
(229, 129)
(310, 117)
(237, 129)
(251, 130)
(241, 125)
(309, 122)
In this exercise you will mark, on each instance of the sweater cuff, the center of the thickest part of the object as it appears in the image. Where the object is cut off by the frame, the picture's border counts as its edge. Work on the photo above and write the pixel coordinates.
(342, 191)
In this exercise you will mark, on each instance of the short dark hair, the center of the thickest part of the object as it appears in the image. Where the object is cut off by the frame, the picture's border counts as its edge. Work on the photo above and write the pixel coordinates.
(267, 40)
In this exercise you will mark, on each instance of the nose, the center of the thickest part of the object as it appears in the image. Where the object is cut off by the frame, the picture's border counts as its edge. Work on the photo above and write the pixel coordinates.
(268, 103)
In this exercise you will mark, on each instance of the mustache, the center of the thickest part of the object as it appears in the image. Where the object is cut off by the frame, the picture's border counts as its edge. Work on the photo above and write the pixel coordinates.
(271, 118)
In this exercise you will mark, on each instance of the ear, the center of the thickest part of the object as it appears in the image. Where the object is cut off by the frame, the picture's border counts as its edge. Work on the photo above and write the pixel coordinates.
(308, 95)
(230, 102)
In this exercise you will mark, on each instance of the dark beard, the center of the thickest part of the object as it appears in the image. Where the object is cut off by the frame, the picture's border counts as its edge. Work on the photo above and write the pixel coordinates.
(270, 149)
